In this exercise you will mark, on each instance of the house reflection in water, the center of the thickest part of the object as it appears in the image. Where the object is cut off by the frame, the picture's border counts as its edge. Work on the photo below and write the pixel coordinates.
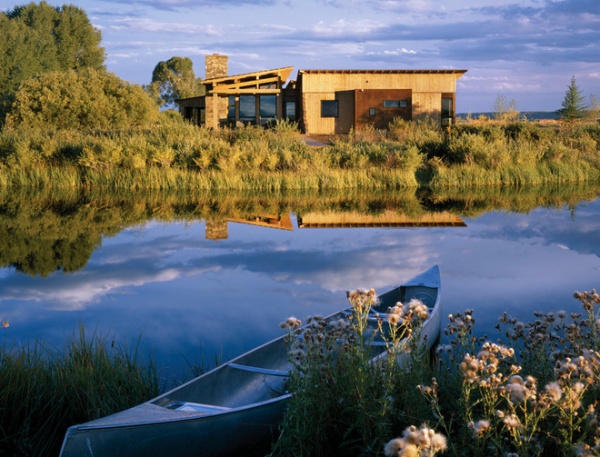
(387, 218)
(217, 230)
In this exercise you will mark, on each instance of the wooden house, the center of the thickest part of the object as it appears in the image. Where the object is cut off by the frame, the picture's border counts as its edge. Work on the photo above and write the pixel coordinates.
(322, 101)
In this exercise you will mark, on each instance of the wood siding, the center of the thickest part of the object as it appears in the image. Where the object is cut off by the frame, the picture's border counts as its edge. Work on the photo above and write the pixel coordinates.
(426, 88)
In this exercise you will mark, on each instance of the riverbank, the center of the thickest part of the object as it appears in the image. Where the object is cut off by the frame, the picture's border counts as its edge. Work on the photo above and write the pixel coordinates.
(178, 156)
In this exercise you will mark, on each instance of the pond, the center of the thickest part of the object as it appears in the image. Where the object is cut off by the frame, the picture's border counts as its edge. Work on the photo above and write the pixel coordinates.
(199, 279)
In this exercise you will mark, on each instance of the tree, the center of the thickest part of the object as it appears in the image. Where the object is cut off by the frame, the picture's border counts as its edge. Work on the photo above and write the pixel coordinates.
(84, 99)
(38, 38)
(174, 79)
(573, 105)
(593, 113)
(505, 110)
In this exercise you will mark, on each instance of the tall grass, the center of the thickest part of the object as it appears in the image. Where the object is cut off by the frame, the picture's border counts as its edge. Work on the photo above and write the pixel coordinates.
(44, 390)
(177, 155)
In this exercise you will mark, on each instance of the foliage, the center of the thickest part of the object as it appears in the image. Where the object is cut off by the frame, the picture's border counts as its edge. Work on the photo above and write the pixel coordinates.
(38, 38)
(84, 99)
(345, 402)
(174, 79)
(538, 398)
(505, 110)
(44, 390)
(173, 154)
(573, 105)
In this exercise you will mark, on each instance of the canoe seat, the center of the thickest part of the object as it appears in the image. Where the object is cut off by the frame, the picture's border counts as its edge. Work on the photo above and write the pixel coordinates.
(254, 369)
(196, 407)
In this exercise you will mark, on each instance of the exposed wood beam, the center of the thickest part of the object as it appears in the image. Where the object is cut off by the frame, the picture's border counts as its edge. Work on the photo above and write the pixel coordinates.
(234, 91)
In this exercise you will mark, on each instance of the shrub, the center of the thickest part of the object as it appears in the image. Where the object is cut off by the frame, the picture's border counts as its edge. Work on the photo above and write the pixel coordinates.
(83, 99)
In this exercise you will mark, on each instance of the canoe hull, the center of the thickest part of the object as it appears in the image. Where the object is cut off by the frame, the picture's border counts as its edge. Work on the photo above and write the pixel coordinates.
(243, 431)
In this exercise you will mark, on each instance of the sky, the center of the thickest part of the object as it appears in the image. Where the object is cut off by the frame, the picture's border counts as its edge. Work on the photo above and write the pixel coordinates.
(523, 50)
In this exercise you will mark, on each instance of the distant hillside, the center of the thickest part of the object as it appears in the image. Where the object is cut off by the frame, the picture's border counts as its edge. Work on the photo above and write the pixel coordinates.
(531, 115)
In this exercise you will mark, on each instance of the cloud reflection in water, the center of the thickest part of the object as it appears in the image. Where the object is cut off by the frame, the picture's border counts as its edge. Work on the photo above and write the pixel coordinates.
(185, 294)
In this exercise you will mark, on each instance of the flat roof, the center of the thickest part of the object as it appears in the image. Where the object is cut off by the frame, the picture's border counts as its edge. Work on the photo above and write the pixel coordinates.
(383, 71)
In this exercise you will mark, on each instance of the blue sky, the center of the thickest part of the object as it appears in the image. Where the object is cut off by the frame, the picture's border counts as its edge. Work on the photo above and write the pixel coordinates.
(526, 50)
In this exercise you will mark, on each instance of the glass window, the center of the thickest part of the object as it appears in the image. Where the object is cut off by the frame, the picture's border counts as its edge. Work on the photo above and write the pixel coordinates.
(371, 111)
(447, 110)
(231, 108)
(395, 103)
(268, 108)
(248, 108)
(290, 110)
(329, 108)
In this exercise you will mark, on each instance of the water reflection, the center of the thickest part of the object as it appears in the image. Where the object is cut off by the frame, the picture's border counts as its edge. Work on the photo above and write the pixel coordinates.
(149, 268)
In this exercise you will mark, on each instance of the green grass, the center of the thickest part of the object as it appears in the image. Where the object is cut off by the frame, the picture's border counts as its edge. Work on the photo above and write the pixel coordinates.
(45, 389)
(178, 156)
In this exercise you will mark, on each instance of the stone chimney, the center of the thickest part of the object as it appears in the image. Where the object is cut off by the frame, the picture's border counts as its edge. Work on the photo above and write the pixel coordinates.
(216, 66)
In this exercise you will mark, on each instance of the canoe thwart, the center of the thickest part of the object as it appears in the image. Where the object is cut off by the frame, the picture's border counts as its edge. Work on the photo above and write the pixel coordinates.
(254, 369)
(196, 407)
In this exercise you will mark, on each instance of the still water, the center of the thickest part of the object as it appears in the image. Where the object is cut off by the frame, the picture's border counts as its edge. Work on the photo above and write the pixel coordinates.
(194, 291)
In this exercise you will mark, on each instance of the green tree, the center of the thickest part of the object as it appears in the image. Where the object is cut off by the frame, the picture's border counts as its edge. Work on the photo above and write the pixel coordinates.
(84, 99)
(174, 79)
(573, 105)
(38, 38)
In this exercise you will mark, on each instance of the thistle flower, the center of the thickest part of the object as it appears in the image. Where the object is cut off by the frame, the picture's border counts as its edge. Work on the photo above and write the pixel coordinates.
(554, 391)
(480, 428)
(512, 421)
(416, 442)
(291, 323)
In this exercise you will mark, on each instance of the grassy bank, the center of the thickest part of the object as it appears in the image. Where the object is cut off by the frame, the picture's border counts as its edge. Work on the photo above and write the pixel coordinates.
(531, 390)
(175, 155)
(44, 389)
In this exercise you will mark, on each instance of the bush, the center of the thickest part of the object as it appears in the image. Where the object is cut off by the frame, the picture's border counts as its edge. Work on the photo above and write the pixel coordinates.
(80, 100)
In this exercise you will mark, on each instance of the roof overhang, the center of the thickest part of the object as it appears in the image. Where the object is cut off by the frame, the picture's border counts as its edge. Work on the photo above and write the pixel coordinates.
(249, 83)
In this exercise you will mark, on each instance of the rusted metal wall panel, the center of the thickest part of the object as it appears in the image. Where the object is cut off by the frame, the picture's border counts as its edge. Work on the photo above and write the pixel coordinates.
(371, 109)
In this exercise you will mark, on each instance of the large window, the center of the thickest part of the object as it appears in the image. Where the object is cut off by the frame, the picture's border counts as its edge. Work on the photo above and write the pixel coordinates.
(329, 108)
(248, 109)
(268, 108)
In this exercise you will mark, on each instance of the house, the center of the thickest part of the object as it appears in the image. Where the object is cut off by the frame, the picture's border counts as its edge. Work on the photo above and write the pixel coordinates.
(322, 101)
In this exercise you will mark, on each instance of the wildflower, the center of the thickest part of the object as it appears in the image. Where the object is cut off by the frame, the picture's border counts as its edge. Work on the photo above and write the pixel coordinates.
(480, 428)
(516, 391)
(394, 447)
(512, 421)
(393, 319)
(411, 435)
(554, 391)
(438, 443)
(291, 323)
(416, 442)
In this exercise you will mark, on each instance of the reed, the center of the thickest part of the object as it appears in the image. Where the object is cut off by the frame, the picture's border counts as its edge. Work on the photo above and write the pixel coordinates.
(177, 155)
(45, 389)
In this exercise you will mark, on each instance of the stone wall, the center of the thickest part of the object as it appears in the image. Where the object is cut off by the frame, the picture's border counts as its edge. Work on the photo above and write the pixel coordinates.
(216, 66)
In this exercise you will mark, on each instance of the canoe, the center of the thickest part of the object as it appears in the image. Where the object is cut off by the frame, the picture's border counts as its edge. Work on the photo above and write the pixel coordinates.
(231, 409)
